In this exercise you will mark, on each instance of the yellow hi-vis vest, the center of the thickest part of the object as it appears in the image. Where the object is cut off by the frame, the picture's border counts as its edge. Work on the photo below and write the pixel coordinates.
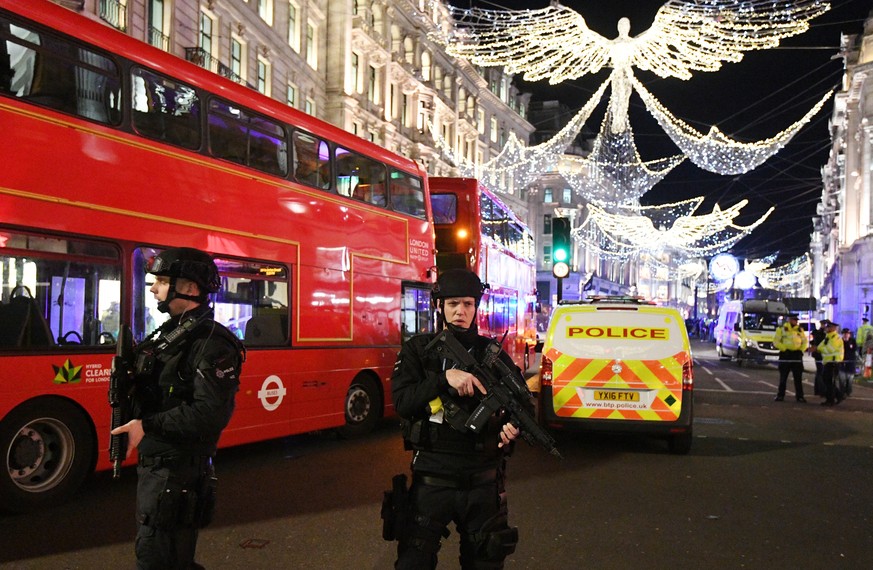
(788, 337)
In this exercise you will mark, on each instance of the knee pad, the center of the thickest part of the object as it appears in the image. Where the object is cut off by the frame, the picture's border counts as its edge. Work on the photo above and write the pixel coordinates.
(495, 540)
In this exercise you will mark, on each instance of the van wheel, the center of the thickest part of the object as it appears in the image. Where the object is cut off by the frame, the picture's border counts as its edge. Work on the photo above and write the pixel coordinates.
(48, 450)
(721, 354)
(680, 444)
(363, 407)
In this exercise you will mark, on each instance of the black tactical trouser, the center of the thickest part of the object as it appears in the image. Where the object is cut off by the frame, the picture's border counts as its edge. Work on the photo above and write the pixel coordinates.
(174, 498)
(480, 517)
(790, 361)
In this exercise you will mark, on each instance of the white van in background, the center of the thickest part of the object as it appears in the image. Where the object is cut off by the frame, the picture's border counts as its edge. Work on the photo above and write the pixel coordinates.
(746, 328)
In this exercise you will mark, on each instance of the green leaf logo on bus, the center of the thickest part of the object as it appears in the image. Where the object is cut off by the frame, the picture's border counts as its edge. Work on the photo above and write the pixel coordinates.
(67, 374)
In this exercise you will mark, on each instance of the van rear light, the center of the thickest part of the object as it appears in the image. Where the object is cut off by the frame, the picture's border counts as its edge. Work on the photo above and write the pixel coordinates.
(687, 376)
(545, 371)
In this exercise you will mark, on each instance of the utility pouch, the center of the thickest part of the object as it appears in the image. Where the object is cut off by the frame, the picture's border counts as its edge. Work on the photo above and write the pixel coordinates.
(395, 506)
(206, 502)
(170, 506)
(501, 543)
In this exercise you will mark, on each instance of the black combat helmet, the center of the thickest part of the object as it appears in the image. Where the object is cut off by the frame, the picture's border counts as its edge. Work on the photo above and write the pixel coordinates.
(187, 263)
(458, 283)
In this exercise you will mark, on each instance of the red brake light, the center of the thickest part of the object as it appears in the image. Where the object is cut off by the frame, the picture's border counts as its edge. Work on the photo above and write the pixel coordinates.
(545, 371)
(688, 376)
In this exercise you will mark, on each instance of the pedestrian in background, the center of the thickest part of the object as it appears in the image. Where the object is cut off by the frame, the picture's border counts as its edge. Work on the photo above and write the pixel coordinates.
(186, 400)
(850, 358)
(831, 350)
(791, 341)
(817, 336)
(865, 331)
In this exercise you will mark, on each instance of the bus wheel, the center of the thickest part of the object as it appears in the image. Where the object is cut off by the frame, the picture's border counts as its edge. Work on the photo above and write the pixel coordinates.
(363, 407)
(48, 450)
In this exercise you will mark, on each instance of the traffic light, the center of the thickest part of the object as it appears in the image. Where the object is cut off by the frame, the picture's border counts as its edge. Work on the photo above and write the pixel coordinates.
(560, 247)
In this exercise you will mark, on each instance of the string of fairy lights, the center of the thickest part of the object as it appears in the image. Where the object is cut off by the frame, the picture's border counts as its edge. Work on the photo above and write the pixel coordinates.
(555, 43)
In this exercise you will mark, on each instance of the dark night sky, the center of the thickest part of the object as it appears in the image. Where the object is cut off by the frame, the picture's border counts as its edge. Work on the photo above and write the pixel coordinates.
(751, 100)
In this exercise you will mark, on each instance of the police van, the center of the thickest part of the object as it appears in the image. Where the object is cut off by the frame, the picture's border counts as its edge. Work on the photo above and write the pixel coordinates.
(746, 329)
(618, 364)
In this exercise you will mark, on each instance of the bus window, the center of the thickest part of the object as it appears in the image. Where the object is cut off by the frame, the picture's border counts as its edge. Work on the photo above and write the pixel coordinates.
(360, 177)
(416, 314)
(239, 136)
(445, 208)
(407, 194)
(165, 109)
(56, 291)
(253, 301)
(48, 70)
(311, 160)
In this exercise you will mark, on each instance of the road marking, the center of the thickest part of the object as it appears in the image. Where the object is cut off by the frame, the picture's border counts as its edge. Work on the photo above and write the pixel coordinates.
(707, 370)
(723, 385)
(742, 374)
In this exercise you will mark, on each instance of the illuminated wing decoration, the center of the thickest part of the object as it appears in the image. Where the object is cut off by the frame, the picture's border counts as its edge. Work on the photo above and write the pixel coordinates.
(691, 236)
(555, 43)
(715, 151)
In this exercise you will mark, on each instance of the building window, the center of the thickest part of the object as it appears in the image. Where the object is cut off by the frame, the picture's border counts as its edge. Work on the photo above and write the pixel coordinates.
(568, 195)
(115, 13)
(263, 76)
(309, 106)
(547, 254)
(547, 195)
(159, 35)
(425, 66)
(311, 46)
(291, 95)
(404, 110)
(265, 10)
(356, 73)
(206, 25)
(493, 129)
(237, 59)
(294, 26)
(371, 85)
(547, 224)
(480, 121)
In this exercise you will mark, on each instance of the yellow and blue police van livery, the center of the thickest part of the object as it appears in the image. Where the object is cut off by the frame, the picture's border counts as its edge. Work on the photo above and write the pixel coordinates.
(618, 364)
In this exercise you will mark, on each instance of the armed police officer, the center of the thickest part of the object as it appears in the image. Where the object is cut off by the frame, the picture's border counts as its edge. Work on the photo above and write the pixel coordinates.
(457, 475)
(187, 377)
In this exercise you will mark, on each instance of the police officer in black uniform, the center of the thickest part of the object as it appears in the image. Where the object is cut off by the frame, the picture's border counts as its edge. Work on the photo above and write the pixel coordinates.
(457, 475)
(184, 398)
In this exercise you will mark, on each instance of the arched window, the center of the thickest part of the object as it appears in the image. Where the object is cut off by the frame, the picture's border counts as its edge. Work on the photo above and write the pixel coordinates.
(409, 50)
(425, 66)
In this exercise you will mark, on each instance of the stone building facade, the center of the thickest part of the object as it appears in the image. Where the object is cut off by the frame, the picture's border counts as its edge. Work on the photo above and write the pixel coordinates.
(842, 240)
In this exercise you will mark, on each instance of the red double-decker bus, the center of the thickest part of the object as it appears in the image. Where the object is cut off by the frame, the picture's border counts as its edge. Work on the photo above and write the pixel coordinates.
(477, 231)
(114, 150)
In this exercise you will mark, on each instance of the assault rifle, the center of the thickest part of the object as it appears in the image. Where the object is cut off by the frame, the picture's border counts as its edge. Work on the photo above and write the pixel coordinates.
(504, 390)
(121, 383)
(126, 371)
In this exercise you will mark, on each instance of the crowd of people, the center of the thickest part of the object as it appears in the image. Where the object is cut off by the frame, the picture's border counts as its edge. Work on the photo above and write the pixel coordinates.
(840, 357)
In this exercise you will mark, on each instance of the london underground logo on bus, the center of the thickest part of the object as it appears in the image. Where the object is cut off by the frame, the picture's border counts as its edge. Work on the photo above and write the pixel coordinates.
(629, 333)
(272, 393)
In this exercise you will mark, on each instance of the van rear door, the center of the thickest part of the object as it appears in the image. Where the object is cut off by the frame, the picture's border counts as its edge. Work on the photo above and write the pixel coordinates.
(619, 363)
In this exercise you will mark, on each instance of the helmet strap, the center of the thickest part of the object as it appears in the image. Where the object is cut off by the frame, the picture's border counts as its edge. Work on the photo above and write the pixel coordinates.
(164, 306)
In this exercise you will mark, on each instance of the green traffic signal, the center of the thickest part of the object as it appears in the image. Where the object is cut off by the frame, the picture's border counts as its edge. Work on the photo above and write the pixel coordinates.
(561, 241)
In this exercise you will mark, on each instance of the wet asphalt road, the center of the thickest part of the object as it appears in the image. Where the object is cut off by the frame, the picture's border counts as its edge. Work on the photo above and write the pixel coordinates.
(766, 485)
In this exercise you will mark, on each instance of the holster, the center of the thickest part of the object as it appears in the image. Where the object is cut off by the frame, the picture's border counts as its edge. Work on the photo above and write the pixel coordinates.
(395, 509)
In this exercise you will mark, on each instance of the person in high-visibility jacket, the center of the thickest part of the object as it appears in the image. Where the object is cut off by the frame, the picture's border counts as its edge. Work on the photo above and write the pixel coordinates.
(831, 349)
(864, 332)
(791, 341)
